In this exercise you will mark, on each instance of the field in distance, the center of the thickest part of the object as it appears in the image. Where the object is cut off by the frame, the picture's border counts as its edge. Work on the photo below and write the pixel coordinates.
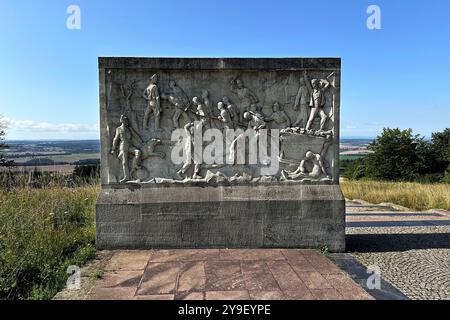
(58, 156)
(62, 156)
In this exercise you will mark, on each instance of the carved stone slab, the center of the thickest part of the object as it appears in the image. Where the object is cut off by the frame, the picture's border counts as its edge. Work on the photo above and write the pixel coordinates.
(220, 152)
(295, 100)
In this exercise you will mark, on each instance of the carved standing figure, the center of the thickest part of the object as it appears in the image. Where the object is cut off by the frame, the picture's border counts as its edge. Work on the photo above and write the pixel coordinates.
(279, 117)
(302, 102)
(201, 112)
(127, 139)
(207, 103)
(224, 116)
(245, 96)
(310, 167)
(234, 112)
(177, 97)
(317, 101)
(189, 150)
(151, 94)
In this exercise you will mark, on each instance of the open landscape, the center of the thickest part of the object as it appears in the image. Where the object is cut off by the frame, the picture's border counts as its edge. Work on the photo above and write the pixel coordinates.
(62, 156)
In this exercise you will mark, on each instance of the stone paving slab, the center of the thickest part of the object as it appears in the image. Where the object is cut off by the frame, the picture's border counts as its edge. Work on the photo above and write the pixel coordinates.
(224, 274)
(412, 250)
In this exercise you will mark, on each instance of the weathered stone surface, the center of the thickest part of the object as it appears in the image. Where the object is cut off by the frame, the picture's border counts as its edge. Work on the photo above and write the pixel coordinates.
(198, 274)
(149, 200)
(240, 216)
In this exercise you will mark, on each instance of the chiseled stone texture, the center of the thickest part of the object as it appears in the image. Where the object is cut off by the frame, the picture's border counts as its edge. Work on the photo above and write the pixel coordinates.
(148, 201)
(239, 216)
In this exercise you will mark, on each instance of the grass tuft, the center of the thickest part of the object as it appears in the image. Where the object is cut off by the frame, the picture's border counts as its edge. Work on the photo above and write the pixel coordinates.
(416, 196)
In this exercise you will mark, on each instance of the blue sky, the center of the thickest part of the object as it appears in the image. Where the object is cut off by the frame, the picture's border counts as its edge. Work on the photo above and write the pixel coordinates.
(398, 76)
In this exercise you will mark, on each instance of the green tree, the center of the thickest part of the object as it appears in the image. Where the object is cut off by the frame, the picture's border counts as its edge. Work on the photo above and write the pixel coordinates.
(398, 155)
(441, 150)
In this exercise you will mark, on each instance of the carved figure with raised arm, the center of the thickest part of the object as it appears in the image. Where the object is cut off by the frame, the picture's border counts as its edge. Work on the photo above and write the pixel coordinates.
(317, 102)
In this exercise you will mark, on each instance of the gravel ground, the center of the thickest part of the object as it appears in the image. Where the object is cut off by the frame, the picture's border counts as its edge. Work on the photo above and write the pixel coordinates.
(416, 260)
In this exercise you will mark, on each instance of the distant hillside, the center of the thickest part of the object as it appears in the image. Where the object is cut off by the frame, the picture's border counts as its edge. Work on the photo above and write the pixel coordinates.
(29, 152)
(73, 152)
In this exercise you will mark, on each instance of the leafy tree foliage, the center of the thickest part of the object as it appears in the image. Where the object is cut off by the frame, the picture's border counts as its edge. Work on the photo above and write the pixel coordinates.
(399, 155)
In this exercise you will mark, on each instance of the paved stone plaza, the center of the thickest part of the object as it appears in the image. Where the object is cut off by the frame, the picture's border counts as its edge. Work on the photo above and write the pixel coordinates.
(412, 249)
(224, 274)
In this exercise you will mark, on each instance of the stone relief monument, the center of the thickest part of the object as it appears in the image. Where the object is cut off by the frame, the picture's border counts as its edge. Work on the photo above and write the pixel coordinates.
(209, 152)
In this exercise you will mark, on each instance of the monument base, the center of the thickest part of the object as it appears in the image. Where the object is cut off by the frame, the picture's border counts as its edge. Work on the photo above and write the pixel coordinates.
(253, 216)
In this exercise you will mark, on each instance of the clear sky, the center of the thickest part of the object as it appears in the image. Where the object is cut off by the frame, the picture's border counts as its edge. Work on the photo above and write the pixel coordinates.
(398, 76)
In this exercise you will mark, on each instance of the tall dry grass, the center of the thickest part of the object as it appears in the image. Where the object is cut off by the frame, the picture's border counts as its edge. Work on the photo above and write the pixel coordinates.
(416, 196)
(42, 232)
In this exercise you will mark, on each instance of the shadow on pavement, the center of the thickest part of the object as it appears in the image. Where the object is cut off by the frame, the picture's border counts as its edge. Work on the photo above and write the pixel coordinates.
(396, 242)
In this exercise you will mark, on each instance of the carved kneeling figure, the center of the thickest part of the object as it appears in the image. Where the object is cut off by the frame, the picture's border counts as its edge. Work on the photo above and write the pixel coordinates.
(316, 172)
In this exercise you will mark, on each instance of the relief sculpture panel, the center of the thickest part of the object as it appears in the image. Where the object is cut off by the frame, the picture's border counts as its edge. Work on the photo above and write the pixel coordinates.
(219, 121)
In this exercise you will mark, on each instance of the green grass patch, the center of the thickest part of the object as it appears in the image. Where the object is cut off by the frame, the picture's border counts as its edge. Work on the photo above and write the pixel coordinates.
(43, 231)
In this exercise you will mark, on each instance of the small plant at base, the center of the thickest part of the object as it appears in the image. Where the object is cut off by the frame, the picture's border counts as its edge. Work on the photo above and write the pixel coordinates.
(97, 274)
(324, 250)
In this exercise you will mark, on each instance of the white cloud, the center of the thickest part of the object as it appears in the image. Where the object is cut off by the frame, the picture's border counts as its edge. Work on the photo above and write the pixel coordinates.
(39, 127)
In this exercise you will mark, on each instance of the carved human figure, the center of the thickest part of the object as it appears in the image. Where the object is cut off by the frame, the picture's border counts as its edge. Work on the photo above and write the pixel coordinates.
(255, 121)
(127, 139)
(317, 101)
(189, 150)
(302, 102)
(279, 117)
(245, 96)
(209, 108)
(201, 112)
(225, 117)
(207, 103)
(177, 97)
(231, 107)
(151, 94)
(310, 167)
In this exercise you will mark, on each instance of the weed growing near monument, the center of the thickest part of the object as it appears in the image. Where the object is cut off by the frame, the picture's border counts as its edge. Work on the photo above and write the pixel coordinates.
(43, 231)
(417, 196)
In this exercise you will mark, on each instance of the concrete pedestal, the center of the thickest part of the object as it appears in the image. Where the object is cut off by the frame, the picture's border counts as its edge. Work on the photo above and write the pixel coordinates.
(254, 216)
